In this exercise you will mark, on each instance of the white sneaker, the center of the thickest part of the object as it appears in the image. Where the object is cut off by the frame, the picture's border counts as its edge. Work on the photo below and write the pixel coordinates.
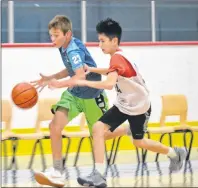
(50, 177)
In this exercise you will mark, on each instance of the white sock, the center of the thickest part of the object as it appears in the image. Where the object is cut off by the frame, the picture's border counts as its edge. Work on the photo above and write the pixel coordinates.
(100, 167)
(171, 153)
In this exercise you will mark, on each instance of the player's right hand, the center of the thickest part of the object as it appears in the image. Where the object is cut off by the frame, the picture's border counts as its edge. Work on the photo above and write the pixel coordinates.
(42, 82)
(86, 68)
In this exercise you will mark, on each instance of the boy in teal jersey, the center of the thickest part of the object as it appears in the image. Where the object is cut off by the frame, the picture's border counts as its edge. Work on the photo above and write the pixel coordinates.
(92, 102)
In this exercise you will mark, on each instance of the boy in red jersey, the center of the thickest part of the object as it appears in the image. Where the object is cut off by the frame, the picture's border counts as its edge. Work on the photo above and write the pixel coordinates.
(132, 104)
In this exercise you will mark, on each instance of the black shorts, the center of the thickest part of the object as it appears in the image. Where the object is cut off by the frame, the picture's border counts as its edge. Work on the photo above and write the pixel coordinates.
(138, 123)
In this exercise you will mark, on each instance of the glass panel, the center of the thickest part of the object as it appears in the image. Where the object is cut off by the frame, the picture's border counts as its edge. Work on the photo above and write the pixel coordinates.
(134, 17)
(177, 20)
(32, 18)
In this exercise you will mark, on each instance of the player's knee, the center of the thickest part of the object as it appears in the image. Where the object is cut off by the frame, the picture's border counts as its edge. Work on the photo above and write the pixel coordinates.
(98, 129)
(50, 125)
(139, 143)
(55, 129)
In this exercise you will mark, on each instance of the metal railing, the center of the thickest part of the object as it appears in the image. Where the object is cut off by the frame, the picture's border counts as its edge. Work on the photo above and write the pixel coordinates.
(153, 31)
(83, 21)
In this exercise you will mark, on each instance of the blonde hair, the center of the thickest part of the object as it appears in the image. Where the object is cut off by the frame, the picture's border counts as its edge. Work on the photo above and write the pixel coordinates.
(60, 22)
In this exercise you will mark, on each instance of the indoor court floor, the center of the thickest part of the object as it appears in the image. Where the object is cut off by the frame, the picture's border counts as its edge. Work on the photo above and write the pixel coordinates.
(125, 173)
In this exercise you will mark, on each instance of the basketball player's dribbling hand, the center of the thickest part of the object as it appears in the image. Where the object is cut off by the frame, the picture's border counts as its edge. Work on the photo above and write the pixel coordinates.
(42, 82)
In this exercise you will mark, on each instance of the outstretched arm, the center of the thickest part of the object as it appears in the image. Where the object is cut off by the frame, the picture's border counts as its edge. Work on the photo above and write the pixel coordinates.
(76, 59)
(102, 71)
(45, 80)
(80, 75)
(109, 83)
(59, 75)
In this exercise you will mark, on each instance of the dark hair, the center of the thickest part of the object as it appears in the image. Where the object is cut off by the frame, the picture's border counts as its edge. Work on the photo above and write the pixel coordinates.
(110, 28)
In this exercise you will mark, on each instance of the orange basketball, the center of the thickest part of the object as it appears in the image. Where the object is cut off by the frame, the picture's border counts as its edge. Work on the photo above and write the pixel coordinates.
(24, 95)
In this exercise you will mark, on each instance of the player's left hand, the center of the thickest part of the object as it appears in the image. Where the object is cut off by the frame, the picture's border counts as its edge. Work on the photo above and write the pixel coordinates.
(53, 84)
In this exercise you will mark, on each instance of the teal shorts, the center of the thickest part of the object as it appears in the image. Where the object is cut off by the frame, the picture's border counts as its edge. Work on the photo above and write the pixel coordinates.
(92, 108)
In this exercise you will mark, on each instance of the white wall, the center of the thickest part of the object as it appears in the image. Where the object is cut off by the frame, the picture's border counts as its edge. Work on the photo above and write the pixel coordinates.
(166, 69)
